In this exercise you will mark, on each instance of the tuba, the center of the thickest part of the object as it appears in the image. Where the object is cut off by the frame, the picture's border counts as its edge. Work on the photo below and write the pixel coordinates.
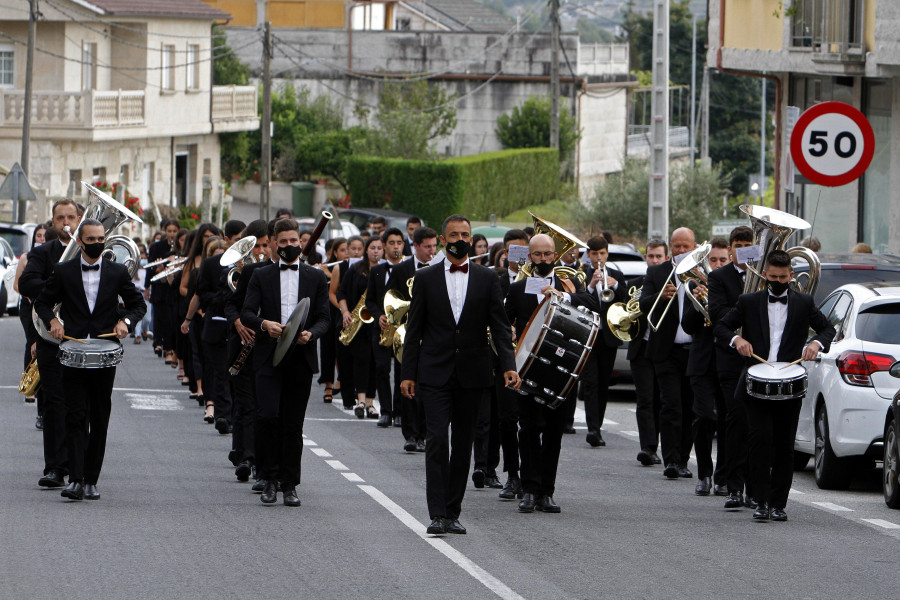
(564, 242)
(360, 316)
(395, 309)
(117, 248)
(771, 229)
(239, 252)
(623, 318)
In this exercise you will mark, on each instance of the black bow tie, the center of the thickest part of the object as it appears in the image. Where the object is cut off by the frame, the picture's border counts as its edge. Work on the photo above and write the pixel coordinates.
(782, 299)
(421, 265)
(90, 267)
(388, 266)
(292, 267)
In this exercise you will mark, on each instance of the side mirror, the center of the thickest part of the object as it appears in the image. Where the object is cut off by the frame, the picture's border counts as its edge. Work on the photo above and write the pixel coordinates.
(895, 369)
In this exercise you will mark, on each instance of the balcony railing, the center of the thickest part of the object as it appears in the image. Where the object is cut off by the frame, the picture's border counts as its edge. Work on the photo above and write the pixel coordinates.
(77, 110)
(828, 26)
(234, 102)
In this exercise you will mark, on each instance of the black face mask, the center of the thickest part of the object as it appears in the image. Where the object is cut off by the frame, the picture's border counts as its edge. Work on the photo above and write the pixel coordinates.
(543, 269)
(459, 248)
(289, 253)
(777, 287)
(94, 250)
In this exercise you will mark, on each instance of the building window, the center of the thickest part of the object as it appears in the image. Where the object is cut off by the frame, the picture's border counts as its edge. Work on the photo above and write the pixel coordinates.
(193, 66)
(98, 174)
(875, 185)
(89, 66)
(833, 26)
(404, 24)
(168, 67)
(124, 177)
(7, 65)
(369, 17)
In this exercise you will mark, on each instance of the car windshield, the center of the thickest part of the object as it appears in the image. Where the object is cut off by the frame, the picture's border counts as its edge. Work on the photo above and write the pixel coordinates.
(17, 239)
(879, 324)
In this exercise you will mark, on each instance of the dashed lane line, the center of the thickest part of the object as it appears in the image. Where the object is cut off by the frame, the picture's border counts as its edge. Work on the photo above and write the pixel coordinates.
(832, 506)
(882, 523)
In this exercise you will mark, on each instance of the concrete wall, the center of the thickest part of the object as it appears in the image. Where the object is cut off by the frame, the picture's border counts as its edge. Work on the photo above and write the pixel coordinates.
(754, 24)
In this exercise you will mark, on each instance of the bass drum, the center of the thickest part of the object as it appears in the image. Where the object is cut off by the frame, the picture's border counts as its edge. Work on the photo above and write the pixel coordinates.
(554, 348)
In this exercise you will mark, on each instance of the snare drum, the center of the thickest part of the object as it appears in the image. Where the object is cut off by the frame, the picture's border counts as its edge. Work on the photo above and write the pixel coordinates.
(774, 383)
(553, 349)
(95, 354)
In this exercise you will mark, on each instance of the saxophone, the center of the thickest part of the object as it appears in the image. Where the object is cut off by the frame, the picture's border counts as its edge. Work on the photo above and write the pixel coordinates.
(31, 380)
(360, 315)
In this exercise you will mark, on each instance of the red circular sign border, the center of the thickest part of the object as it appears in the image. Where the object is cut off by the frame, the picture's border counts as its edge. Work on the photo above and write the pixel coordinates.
(797, 142)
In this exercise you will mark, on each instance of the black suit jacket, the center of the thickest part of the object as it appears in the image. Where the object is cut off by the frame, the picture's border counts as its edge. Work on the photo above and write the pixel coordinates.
(375, 290)
(161, 289)
(400, 275)
(752, 313)
(702, 357)
(725, 287)
(41, 261)
(263, 303)
(660, 344)
(436, 347)
(65, 285)
(503, 274)
(235, 302)
(620, 295)
(213, 291)
(638, 346)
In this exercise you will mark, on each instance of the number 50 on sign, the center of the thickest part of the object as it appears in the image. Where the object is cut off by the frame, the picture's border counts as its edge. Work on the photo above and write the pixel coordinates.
(832, 144)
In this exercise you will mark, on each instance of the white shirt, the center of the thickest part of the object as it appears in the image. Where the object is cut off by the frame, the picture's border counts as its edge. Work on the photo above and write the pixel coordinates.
(512, 275)
(91, 282)
(457, 285)
(290, 288)
(551, 281)
(777, 321)
(680, 336)
(599, 288)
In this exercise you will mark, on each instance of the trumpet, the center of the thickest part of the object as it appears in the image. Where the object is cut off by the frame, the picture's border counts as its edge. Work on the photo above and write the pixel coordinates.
(606, 293)
(684, 272)
(174, 267)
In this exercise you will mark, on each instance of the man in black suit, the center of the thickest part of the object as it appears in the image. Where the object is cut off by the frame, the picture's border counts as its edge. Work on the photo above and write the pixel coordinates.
(41, 261)
(598, 371)
(412, 224)
(541, 427)
(775, 323)
(412, 412)
(668, 348)
(89, 290)
(388, 397)
(447, 360)
(283, 391)
(726, 284)
(709, 404)
(645, 388)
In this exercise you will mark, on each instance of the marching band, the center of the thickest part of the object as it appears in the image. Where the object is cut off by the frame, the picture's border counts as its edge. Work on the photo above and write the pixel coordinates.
(488, 357)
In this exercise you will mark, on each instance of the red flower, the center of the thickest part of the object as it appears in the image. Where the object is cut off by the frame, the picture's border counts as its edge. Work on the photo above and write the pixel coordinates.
(193, 216)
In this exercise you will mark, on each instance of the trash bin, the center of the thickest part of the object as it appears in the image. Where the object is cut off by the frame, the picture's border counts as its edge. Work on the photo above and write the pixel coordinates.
(302, 198)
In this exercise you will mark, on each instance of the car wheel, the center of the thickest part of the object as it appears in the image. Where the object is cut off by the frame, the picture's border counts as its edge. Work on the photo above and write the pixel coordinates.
(801, 459)
(889, 484)
(832, 473)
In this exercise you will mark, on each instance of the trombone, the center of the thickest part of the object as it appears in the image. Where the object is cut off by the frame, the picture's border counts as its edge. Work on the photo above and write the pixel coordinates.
(684, 272)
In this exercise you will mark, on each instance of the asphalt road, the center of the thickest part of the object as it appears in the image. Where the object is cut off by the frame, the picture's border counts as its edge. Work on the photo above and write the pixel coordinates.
(174, 523)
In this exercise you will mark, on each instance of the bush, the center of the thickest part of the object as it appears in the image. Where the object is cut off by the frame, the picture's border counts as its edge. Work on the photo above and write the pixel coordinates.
(475, 186)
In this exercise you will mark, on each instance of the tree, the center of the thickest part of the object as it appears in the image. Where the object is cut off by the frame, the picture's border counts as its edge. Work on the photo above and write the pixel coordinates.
(227, 68)
(326, 153)
(529, 127)
(589, 32)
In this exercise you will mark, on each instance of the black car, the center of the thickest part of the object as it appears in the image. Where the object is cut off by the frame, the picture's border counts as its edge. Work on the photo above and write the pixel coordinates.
(840, 269)
(890, 484)
(361, 217)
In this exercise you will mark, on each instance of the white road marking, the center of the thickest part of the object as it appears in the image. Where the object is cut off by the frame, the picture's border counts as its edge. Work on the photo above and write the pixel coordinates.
(793, 491)
(353, 477)
(153, 402)
(608, 422)
(337, 465)
(308, 442)
(320, 452)
(832, 506)
(631, 433)
(461, 560)
(882, 523)
(634, 410)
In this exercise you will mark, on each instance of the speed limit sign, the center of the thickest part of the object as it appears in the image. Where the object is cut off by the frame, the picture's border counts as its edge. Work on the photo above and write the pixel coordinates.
(832, 143)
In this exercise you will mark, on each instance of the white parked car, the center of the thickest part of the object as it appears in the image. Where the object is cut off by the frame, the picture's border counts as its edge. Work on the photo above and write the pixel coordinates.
(850, 390)
(9, 298)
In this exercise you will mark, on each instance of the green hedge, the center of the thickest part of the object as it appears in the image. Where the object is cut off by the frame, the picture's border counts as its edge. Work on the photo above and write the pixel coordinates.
(475, 186)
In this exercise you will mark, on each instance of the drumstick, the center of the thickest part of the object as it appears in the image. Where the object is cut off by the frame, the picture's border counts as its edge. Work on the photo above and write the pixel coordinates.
(762, 360)
(103, 335)
(791, 364)
(71, 339)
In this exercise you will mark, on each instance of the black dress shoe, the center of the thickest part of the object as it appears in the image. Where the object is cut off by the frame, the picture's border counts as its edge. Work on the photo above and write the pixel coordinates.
(454, 526)
(478, 478)
(234, 457)
(703, 485)
(594, 438)
(645, 457)
(778, 514)
(683, 471)
(270, 493)
(259, 485)
(492, 482)
(243, 470)
(735, 501)
(420, 445)
(53, 479)
(384, 421)
(720, 490)
(91, 492)
(73, 491)
(398, 422)
(655, 458)
(290, 496)
(547, 505)
(512, 489)
(761, 513)
(527, 504)
(569, 429)
(409, 445)
(671, 471)
(437, 527)
(222, 425)
(751, 502)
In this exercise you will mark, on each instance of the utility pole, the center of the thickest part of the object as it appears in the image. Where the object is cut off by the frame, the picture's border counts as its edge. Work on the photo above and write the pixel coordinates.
(266, 158)
(554, 74)
(29, 85)
(762, 143)
(693, 124)
(704, 117)
(658, 213)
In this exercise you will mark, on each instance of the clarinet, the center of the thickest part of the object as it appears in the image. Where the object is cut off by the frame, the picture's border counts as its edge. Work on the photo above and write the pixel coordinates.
(246, 349)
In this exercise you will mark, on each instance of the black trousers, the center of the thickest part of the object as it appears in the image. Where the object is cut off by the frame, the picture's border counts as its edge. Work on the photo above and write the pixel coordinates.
(346, 373)
(363, 362)
(88, 404)
(709, 404)
(448, 454)
(595, 381)
(736, 451)
(508, 422)
(772, 427)
(215, 374)
(327, 353)
(164, 324)
(540, 441)
(54, 407)
(413, 417)
(243, 407)
(384, 360)
(487, 434)
(675, 402)
(647, 404)
(282, 397)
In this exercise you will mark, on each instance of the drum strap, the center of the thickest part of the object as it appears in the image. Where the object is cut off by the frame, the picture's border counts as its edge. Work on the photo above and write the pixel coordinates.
(568, 285)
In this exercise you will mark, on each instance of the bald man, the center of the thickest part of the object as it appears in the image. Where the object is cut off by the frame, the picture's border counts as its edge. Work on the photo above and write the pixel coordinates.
(668, 348)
